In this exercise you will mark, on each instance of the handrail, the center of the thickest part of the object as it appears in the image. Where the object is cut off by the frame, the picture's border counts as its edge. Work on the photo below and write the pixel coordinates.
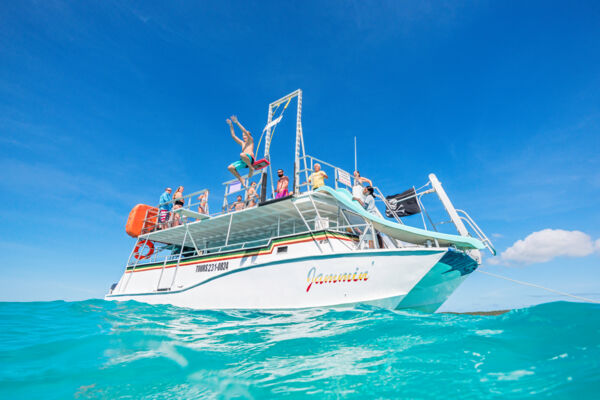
(482, 236)
(336, 172)
(234, 246)
(317, 160)
(187, 196)
(162, 252)
(153, 220)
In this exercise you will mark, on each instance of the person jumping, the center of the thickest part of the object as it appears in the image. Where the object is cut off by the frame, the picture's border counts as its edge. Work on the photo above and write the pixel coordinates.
(246, 156)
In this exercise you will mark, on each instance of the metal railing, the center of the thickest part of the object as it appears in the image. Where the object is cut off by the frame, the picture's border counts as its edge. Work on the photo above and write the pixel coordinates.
(192, 203)
(234, 187)
(182, 253)
(337, 172)
(152, 217)
(342, 178)
(477, 230)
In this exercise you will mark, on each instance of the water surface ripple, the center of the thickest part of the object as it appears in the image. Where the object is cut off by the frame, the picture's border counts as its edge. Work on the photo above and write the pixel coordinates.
(106, 350)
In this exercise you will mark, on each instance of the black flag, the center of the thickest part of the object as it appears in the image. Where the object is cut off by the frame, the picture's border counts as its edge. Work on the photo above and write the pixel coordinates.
(403, 204)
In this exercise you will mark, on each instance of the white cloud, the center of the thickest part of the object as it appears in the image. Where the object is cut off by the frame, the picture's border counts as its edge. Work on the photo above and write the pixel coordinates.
(548, 244)
(497, 235)
(493, 261)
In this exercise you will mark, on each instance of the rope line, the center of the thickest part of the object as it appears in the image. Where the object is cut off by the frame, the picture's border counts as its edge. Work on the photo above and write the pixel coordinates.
(539, 287)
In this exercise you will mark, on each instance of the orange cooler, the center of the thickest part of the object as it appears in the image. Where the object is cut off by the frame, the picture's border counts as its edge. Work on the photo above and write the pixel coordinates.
(136, 224)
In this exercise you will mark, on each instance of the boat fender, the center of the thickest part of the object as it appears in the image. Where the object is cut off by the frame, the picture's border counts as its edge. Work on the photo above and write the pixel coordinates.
(136, 251)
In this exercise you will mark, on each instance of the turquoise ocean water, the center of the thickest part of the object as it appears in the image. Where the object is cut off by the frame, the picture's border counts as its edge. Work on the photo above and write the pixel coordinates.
(105, 350)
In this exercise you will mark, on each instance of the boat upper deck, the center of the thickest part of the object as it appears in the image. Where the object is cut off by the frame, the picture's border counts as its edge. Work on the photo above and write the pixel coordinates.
(270, 219)
(325, 208)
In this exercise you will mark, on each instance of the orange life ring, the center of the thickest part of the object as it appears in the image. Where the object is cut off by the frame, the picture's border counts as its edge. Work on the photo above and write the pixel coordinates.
(136, 251)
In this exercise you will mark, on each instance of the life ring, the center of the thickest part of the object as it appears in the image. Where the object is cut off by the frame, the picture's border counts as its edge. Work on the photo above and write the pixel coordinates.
(136, 251)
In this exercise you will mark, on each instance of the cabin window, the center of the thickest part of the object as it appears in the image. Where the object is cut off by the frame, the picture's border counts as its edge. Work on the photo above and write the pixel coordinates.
(282, 249)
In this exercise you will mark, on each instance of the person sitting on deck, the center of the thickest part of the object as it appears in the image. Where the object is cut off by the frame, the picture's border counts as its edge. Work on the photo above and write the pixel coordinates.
(318, 177)
(238, 205)
(251, 195)
(357, 189)
(164, 208)
(282, 185)
(247, 155)
(203, 205)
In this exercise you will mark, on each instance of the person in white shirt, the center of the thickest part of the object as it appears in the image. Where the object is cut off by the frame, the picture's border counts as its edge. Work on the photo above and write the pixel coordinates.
(369, 205)
(357, 189)
(369, 201)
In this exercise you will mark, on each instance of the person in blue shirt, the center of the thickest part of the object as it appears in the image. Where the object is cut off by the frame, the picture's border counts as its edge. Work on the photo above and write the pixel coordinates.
(164, 207)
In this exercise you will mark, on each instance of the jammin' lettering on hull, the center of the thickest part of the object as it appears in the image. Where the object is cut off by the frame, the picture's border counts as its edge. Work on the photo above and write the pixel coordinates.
(319, 279)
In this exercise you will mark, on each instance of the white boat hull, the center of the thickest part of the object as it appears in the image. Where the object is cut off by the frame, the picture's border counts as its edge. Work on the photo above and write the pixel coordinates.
(383, 278)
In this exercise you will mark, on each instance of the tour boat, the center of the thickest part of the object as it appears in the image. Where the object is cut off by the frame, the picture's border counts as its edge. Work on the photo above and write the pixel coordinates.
(313, 248)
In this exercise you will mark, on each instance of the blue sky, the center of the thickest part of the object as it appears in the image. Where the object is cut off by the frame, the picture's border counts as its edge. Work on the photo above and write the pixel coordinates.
(103, 104)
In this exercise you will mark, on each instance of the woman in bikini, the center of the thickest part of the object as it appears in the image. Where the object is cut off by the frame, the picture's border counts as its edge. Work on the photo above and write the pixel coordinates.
(252, 195)
(178, 197)
(203, 206)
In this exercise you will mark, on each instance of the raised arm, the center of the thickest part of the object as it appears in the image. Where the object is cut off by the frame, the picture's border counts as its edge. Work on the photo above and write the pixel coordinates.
(363, 179)
(237, 139)
(246, 131)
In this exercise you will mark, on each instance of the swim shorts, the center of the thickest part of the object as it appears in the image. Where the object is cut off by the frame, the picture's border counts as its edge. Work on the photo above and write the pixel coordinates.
(282, 194)
(240, 164)
(163, 216)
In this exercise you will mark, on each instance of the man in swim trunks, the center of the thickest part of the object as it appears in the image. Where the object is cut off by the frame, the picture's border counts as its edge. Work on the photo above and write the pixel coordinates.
(164, 208)
(247, 155)
(282, 185)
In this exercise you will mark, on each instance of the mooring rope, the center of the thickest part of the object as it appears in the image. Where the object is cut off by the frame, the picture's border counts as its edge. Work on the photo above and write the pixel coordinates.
(540, 287)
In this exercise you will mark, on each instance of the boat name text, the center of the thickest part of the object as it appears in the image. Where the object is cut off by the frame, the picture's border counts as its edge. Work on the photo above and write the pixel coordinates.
(319, 279)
